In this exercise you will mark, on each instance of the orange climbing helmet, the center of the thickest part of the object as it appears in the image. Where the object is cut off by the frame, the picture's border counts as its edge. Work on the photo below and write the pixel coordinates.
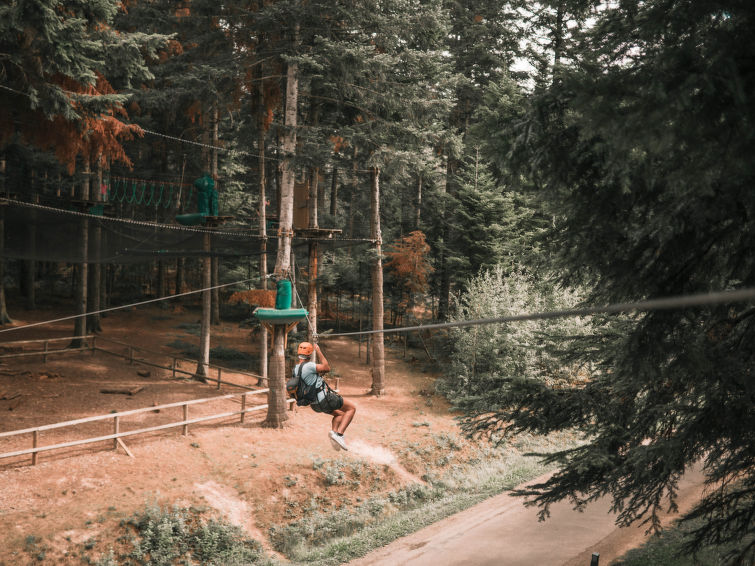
(305, 349)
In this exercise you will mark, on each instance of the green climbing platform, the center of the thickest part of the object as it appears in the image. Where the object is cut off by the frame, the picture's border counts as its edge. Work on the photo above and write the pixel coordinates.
(280, 316)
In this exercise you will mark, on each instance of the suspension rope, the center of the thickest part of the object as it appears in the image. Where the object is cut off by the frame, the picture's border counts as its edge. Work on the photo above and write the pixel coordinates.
(309, 322)
(73, 316)
(246, 232)
(682, 301)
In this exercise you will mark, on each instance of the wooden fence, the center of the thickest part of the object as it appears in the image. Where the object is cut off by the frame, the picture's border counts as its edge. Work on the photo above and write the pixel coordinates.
(116, 436)
(91, 344)
(94, 343)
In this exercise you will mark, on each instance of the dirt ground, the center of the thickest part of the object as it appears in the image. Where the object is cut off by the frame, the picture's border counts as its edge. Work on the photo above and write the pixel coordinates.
(252, 476)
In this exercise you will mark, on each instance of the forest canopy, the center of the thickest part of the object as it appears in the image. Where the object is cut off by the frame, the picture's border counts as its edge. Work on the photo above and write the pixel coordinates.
(515, 155)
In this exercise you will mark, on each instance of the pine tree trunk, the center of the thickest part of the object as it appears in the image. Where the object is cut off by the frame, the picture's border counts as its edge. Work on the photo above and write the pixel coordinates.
(276, 398)
(352, 197)
(95, 275)
(215, 291)
(313, 253)
(204, 332)
(82, 274)
(215, 261)
(263, 229)
(321, 199)
(312, 291)
(378, 340)
(4, 318)
(444, 293)
(180, 275)
(162, 283)
(418, 210)
(334, 194)
(30, 267)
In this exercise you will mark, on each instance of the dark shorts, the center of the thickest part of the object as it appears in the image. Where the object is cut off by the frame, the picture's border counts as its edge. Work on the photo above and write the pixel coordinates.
(332, 402)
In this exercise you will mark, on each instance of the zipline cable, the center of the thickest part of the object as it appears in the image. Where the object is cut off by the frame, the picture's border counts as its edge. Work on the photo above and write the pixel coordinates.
(124, 306)
(667, 303)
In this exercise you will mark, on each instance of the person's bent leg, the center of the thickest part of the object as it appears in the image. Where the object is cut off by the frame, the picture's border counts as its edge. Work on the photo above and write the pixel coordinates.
(337, 416)
(346, 414)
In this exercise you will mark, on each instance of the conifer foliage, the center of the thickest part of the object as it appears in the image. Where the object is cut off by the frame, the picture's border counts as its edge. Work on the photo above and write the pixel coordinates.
(59, 60)
(641, 153)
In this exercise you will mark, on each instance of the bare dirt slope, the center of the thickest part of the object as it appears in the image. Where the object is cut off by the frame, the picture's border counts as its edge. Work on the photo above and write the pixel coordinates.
(252, 476)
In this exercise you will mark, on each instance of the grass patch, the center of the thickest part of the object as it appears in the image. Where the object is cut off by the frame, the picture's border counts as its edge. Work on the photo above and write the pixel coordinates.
(163, 537)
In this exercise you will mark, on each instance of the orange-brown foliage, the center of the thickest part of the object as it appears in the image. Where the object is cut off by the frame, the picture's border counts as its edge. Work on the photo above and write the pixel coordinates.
(255, 297)
(408, 261)
(95, 136)
(338, 143)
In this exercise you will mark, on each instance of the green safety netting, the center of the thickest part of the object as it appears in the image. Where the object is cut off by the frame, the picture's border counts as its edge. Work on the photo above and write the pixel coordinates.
(49, 233)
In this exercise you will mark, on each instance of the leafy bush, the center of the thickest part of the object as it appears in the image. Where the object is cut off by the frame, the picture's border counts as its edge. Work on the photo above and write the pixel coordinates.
(483, 357)
(171, 537)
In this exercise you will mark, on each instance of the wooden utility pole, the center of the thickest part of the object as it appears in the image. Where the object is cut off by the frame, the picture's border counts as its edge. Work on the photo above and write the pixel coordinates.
(276, 397)
(378, 340)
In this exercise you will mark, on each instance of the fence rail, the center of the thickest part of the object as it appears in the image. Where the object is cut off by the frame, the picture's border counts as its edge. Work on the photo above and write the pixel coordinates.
(93, 340)
(116, 418)
(94, 344)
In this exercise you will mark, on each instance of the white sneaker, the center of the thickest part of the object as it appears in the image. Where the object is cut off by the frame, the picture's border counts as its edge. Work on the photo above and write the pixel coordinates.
(337, 440)
(335, 444)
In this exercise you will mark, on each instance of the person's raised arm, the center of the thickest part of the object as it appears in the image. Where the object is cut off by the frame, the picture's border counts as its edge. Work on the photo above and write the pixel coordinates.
(323, 366)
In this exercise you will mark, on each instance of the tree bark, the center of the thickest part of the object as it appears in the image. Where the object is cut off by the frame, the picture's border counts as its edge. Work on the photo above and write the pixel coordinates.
(314, 199)
(93, 286)
(263, 227)
(204, 332)
(215, 261)
(378, 340)
(215, 319)
(4, 318)
(276, 397)
(418, 210)
(334, 193)
(30, 266)
(82, 274)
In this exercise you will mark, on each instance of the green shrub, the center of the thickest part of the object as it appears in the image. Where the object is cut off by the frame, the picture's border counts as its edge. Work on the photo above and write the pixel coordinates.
(482, 357)
(164, 537)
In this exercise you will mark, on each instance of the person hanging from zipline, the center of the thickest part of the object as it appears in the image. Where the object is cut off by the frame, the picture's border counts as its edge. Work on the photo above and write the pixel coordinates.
(309, 388)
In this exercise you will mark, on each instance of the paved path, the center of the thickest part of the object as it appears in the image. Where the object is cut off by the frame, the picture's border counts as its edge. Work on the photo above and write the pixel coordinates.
(502, 532)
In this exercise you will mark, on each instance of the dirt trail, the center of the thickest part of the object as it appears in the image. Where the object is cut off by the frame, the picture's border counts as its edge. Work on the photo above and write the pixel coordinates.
(501, 531)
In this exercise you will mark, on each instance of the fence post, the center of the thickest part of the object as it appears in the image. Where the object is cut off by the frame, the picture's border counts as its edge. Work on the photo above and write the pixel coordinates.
(595, 559)
(243, 407)
(186, 418)
(35, 442)
(94, 344)
(44, 357)
(220, 373)
(174, 368)
(116, 430)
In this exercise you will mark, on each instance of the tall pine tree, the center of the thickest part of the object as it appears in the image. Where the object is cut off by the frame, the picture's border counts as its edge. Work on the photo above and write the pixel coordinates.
(644, 152)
